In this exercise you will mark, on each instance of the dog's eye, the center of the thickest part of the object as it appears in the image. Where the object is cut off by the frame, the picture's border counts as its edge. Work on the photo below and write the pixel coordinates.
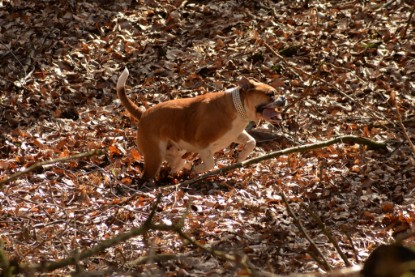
(271, 93)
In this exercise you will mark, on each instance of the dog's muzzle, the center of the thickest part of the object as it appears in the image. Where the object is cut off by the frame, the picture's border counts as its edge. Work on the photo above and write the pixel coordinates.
(272, 111)
(280, 102)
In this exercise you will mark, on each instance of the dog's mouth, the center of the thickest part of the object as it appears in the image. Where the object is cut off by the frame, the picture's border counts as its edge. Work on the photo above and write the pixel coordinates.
(272, 112)
(271, 115)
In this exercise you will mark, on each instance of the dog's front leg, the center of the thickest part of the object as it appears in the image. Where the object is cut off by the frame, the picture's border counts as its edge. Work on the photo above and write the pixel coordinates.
(248, 143)
(174, 157)
(207, 162)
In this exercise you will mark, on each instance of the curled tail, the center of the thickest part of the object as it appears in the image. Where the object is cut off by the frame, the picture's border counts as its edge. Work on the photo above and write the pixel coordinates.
(132, 108)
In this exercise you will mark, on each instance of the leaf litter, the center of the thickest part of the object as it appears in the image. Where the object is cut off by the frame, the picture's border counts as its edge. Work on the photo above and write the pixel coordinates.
(59, 64)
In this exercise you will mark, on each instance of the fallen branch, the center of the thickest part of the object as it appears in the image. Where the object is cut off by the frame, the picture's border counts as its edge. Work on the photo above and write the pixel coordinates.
(238, 259)
(298, 149)
(72, 260)
(328, 234)
(38, 165)
(323, 262)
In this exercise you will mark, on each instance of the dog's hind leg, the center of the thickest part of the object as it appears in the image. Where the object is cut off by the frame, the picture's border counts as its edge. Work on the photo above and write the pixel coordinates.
(152, 166)
(153, 158)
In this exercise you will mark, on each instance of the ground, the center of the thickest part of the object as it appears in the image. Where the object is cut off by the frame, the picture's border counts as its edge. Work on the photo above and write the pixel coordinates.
(346, 68)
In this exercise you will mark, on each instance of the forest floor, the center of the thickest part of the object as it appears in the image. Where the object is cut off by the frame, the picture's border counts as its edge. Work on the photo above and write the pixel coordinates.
(346, 68)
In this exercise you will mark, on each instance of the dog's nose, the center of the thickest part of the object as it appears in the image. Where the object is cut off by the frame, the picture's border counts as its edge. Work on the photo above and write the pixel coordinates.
(281, 101)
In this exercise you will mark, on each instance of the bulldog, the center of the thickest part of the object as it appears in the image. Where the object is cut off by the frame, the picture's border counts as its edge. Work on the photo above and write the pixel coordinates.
(204, 124)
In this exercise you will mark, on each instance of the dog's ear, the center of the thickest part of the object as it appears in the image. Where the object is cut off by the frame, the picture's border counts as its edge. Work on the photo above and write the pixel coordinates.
(245, 84)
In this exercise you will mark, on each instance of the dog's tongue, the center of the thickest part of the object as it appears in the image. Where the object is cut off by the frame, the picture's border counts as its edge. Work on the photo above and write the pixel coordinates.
(270, 114)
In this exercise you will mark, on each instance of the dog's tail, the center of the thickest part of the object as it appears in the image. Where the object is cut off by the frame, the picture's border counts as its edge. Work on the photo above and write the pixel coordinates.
(128, 104)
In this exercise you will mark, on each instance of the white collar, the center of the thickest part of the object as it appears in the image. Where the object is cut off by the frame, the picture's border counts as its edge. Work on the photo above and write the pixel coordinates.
(237, 102)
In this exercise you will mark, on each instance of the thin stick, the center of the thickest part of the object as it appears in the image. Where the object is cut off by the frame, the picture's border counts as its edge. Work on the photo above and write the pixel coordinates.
(14, 56)
(302, 72)
(401, 238)
(327, 233)
(405, 133)
(233, 258)
(323, 262)
(356, 253)
(38, 165)
(385, 5)
(408, 22)
(157, 258)
(309, 75)
(51, 266)
(297, 149)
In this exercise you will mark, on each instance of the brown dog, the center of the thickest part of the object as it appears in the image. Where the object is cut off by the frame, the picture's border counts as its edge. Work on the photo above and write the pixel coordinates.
(203, 124)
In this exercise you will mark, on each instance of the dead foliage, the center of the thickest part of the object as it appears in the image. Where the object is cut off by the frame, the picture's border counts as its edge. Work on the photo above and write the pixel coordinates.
(346, 67)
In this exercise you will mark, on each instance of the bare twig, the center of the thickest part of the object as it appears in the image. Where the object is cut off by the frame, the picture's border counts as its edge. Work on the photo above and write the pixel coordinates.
(405, 133)
(327, 233)
(403, 34)
(148, 225)
(239, 259)
(297, 149)
(293, 67)
(401, 238)
(323, 262)
(303, 73)
(51, 266)
(14, 56)
(155, 258)
(242, 261)
(356, 253)
(385, 5)
(177, 228)
(38, 165)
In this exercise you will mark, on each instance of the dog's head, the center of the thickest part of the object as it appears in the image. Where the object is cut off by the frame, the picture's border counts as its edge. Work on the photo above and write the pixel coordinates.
(261, 101)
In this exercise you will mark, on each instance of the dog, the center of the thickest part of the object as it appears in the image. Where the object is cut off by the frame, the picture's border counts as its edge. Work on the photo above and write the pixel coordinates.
(203, 124)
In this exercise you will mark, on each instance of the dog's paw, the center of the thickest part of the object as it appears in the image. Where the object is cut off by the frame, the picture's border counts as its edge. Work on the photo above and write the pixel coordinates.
(184, 174)
(147, 185)
(187, 166)
(197, 169)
